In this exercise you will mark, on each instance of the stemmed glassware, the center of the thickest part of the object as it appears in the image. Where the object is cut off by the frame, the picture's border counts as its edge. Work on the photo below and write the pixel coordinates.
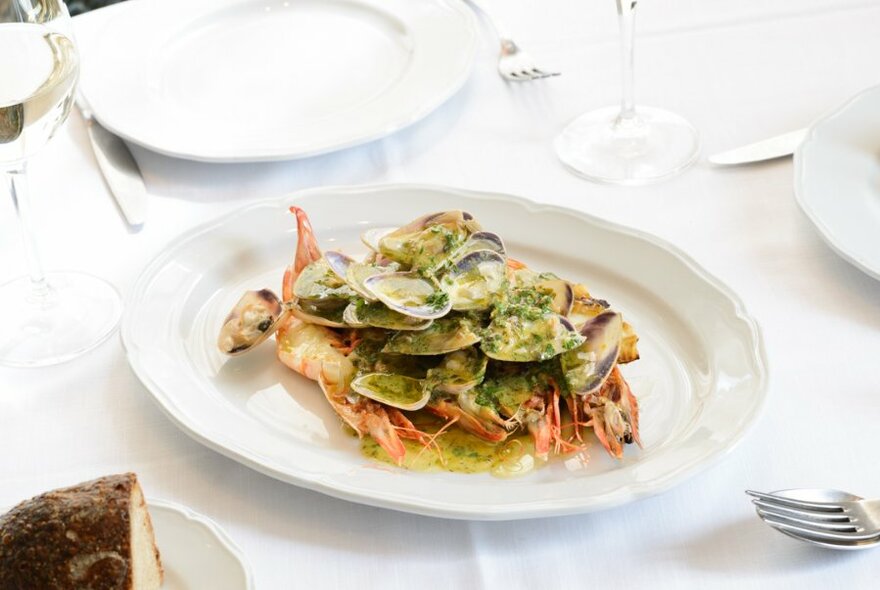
(45, 318)
(627, 144)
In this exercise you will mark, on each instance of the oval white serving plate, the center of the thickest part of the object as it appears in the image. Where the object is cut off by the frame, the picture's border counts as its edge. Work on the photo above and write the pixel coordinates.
(837, 180)
(701, 379)
(195, 551)
(256, 80)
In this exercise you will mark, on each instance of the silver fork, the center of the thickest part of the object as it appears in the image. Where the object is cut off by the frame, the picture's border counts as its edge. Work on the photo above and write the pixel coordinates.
(514, 64)
(824, 517)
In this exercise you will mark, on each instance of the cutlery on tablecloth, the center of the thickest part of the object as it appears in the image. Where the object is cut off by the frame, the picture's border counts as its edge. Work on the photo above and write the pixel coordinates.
(766, 149)
(514, 64)
(824, 517)
(120, 170)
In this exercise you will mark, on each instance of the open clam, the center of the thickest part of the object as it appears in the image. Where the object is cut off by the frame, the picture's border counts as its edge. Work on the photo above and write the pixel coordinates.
(427, 242)
(410, 294)
(360, 314)
(398, 391)
(523, 339)
(588, 366)
(562, 293)
(443, 336)
(253, 319)
(354, 273)
(474, 281)
(317, 281)
(459, 371)
(323, 313)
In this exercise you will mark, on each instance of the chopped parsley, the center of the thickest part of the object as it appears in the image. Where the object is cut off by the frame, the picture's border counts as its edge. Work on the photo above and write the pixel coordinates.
(437, 300)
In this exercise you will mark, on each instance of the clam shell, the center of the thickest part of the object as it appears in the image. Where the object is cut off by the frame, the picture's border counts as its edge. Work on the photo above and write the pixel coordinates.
(517, 339)
(563, 295)
(474, 281)
(330, 315)
(458, 371)
(588, 366)
(397, 391)
(483, 240)
(362, 315)
(338, 263)
(354, 273)
(428, 242)
(443, 336)
(584, 309)
(252, 320)
(410, 294)
(318, 281)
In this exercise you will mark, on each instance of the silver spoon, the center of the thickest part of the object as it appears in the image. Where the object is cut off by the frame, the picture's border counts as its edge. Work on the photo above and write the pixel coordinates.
(829, 518)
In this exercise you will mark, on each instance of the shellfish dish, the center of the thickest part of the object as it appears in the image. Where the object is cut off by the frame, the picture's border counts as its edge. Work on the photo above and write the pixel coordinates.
(441, 350)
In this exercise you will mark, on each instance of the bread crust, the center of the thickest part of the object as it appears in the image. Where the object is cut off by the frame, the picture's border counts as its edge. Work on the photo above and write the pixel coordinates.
(71, 538)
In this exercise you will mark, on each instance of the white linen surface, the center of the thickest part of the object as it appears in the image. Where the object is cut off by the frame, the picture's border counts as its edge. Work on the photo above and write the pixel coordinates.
(740, 71)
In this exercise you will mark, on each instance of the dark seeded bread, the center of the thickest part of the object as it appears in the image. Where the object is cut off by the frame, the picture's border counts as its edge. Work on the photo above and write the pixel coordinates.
(93, 536)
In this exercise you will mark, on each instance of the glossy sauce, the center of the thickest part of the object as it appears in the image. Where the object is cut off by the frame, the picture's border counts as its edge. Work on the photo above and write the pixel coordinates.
(462, 452)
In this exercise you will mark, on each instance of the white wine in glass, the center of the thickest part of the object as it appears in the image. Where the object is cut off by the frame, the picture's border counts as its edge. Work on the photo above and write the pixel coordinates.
(47, 318)
(627, 144)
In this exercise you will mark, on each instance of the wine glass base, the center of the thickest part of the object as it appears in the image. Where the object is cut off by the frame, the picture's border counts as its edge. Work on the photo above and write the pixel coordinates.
(75, 314)
(650, 147)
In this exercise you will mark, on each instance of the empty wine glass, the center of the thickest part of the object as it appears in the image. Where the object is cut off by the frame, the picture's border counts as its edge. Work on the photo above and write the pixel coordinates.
(627, 144)
(46, 318)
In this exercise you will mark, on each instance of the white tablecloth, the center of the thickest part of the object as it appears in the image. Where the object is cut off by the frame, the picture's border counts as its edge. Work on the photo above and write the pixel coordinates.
(739, 71)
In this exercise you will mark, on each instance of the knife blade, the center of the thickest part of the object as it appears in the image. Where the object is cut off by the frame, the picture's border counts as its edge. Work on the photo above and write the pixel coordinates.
(766, 149)
(118, 166)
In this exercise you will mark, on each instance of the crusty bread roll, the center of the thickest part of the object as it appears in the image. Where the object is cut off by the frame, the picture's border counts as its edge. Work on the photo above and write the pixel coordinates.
(96, 535)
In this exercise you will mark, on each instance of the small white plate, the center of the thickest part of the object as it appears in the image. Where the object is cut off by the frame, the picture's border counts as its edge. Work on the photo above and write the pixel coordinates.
(195, 551)
(837, 179)
(252, 80)
(701, 379)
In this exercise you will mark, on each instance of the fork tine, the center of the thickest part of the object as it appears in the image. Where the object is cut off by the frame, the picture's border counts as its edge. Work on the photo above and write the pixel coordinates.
(794, 512)
(844, 527)
(819, 533)
(544, 74)
(781, 500)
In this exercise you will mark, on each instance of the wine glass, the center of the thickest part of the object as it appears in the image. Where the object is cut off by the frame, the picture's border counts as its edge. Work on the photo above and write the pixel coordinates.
(627, 144)
(45, 318)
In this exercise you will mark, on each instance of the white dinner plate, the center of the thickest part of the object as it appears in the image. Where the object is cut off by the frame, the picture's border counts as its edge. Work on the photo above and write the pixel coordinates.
(253, 80)
(195, 551)
(701, 379)
(837, 179)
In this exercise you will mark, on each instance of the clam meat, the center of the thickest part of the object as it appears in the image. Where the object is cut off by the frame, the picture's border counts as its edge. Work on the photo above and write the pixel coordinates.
(253, 319)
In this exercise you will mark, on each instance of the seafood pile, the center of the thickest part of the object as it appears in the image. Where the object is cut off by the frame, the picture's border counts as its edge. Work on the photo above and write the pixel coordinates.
(438, 318)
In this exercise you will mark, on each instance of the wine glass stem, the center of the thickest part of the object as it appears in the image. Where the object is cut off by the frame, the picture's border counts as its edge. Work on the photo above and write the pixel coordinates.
(626, 10)
(18, 189)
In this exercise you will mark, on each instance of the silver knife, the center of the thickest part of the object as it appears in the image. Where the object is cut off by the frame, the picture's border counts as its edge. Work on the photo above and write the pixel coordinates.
(767, 149)
(118, 166)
